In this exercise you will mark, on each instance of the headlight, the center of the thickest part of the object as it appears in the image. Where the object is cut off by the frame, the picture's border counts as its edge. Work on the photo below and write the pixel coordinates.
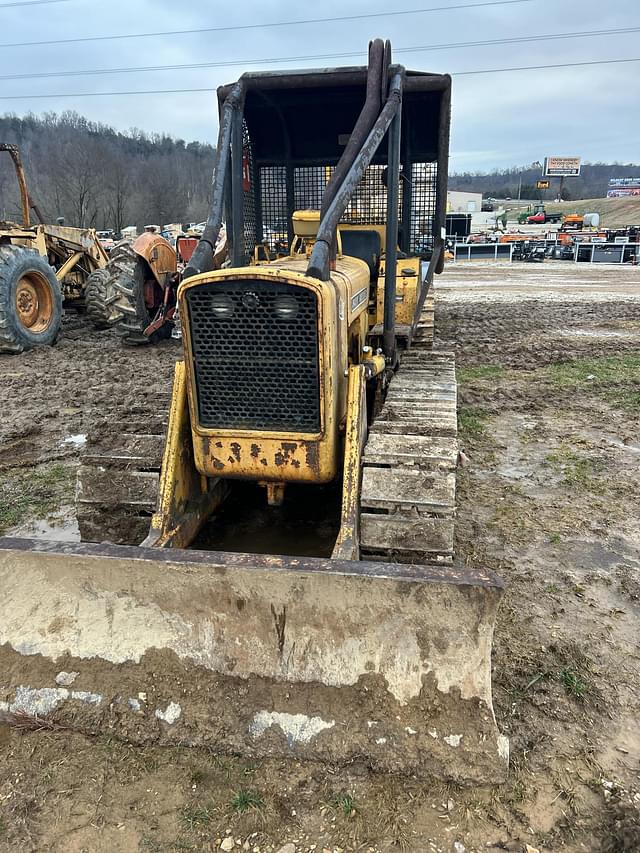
(250, 300)
(222, 305)
(286, 307)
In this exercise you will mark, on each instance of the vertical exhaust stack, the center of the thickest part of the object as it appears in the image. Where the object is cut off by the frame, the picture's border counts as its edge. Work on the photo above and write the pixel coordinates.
(376, 74)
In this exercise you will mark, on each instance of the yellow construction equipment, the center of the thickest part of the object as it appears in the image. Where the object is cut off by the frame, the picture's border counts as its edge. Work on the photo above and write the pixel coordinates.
(311, 380)
(42, 266)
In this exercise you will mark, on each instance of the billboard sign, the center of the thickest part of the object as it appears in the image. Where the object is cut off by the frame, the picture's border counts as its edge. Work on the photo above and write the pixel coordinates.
(542, 185)
(624, 192)
(623, 187)
(614, 183)
(561, 167)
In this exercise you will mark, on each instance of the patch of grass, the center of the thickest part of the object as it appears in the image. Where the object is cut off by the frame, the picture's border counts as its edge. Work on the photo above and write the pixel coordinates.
(179, 844)
(515, 513)
(193, 817)
(555, 539)
(151, 844)
(573, 684)
(244, 800)
(396, 825)
(480, 371)
(198, 776)
(615, 378)
(518, 791)
(576, 470)
(34, 493)
(345, 803)
(471, 421)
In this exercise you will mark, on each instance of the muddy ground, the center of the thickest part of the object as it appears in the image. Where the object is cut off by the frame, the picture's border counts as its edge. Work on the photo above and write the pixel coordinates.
(549, 373)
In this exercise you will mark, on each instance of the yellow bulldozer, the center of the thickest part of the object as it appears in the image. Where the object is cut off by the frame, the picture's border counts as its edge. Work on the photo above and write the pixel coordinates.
(43, 267)
(309, 389)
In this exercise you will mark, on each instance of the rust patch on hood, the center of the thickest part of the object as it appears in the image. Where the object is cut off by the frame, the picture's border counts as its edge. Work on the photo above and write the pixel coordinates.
(283, 456)
(313, 459)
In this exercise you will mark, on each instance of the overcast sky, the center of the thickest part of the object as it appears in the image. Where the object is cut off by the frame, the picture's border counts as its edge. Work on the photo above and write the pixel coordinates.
(498, 119)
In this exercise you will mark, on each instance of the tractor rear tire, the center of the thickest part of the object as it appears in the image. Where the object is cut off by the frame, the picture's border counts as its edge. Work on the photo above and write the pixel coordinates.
(129, 285)
(30, 300)
(99, 298)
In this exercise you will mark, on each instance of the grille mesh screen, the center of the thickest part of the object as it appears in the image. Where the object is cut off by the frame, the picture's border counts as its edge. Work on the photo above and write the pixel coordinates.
(248, 195)
(275, 220)
(367, 206)
(269, 209)
(254, 370)
(423, 207)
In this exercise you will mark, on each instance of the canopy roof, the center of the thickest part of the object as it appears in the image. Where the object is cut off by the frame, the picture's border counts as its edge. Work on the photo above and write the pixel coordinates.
(305, 117)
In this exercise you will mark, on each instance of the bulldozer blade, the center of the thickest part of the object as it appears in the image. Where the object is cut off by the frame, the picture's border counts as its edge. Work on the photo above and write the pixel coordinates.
(329, 660)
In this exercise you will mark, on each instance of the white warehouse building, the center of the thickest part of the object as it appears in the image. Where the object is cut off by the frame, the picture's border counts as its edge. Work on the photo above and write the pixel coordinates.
(460, 202)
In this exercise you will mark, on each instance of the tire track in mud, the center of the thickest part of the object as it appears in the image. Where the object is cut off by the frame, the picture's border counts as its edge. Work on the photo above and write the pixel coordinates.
(51, 393)
(530, 333)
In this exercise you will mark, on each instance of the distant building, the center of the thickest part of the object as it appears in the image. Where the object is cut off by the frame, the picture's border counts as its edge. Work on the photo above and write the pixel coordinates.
(459, 202)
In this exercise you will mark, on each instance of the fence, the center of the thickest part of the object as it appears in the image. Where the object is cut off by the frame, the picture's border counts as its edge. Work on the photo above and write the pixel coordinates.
(482, 251)
(606, 253)
(594, 253)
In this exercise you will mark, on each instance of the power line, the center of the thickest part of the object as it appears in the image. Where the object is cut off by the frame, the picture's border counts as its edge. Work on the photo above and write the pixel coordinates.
(388, 14)
(30, 3)
(545, 67)
(324, 56)
(211, 89)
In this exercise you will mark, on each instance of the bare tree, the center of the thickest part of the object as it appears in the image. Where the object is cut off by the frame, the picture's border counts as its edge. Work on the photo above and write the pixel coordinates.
(93, 175)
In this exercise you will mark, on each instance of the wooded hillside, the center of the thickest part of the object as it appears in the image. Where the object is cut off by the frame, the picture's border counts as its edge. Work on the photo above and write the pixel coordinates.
(95, 176)
(592, 183)
(98, 177)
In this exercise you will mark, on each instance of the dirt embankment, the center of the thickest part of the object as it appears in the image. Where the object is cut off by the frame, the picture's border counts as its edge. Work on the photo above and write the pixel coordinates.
(549, 373)
(614, 212)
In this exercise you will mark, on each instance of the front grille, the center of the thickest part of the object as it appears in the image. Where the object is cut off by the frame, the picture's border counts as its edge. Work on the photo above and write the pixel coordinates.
(254, 370)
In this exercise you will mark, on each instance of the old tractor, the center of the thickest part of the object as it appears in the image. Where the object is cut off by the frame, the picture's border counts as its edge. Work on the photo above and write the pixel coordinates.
(43, 266)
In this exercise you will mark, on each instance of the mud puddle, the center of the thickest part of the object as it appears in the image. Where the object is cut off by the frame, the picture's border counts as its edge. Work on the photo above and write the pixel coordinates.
(597, 333)
(61, 526)
(626, 446)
